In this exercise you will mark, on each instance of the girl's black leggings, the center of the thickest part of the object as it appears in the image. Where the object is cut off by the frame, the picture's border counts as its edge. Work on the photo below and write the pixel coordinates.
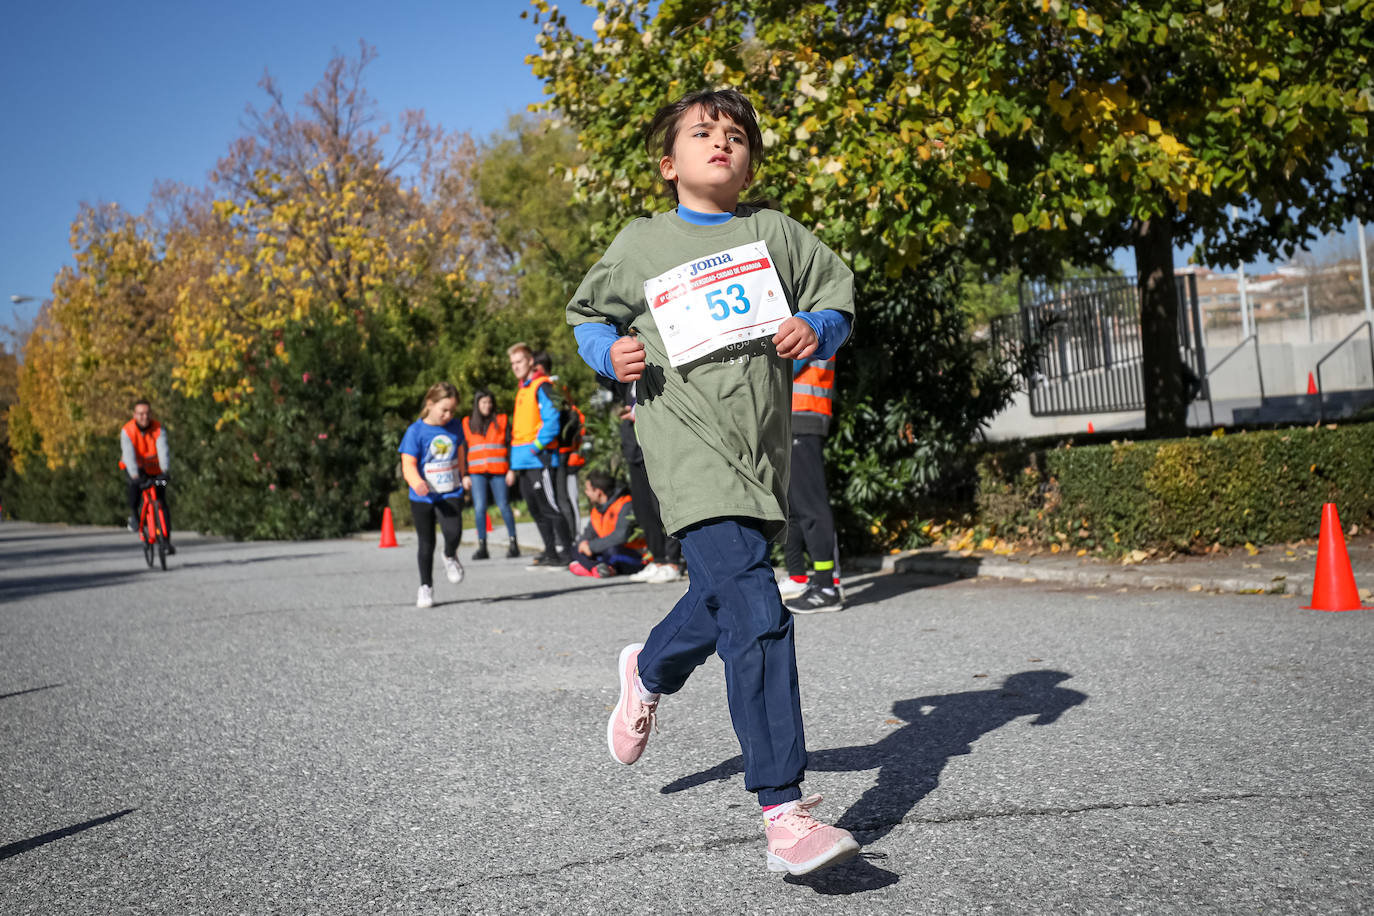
(449, 514)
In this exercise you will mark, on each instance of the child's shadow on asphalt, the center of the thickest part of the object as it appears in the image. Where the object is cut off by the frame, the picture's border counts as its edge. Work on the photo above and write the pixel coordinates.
(909, 761)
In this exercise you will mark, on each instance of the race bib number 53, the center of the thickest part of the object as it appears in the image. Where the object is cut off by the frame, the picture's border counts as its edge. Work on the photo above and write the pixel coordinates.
(704, 305)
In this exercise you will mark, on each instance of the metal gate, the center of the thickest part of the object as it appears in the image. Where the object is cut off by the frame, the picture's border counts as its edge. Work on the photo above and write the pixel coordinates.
(1082, 341)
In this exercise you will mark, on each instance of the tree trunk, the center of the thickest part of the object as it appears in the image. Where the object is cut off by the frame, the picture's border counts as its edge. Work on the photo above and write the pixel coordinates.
(1165, 411)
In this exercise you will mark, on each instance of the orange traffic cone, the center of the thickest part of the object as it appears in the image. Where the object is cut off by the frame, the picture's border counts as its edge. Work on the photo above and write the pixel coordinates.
(1090, 427)
(1333, 585)
(488, 524)
(1312, 384)
(388, 530)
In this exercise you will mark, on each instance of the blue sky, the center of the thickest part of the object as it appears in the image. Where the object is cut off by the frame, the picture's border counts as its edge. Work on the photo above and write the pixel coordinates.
(101, 100)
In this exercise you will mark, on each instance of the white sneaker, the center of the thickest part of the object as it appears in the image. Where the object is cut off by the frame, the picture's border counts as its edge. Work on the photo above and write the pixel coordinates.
(790, 588)
(453, 569)
(666, 572)
(424, 597)
(646, 574)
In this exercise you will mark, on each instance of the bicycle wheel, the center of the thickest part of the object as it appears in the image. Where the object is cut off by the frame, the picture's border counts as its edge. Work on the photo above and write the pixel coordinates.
(161, 530)
(145, 531)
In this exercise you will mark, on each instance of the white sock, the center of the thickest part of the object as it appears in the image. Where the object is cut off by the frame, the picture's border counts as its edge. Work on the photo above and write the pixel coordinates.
(773, 813)
(644, 695)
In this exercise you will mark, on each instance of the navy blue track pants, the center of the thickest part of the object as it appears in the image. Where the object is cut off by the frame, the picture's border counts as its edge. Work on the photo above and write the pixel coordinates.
(732, 608)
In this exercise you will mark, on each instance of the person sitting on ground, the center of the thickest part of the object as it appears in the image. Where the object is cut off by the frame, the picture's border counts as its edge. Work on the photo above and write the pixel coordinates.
(606, 548)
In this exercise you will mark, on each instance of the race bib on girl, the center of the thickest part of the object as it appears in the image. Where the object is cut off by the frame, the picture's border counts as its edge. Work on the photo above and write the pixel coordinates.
(441, 465)
(712, 302)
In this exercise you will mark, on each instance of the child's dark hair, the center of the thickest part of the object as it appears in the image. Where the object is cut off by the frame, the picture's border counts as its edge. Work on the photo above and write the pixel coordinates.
(543, 360)
(602, 481)
(661, 137)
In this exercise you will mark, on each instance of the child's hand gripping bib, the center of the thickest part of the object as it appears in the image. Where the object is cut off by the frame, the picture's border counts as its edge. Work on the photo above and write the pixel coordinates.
(704, 305)
(441, 465)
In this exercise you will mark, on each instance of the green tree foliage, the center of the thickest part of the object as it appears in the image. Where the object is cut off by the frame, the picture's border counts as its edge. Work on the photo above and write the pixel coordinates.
(313, 450)
(1021, 134)
(540, 237)
(912, 388)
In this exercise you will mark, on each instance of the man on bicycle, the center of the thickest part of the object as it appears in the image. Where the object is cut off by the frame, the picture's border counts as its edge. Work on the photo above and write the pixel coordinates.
(144, 453)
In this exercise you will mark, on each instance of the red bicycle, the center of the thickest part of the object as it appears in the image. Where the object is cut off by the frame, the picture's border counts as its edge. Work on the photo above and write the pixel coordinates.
(152, 520)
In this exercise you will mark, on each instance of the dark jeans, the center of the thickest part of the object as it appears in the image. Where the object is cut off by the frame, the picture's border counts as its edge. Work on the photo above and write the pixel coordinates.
(449, 514)
(537, 486)
(810, 524)
(732, 608)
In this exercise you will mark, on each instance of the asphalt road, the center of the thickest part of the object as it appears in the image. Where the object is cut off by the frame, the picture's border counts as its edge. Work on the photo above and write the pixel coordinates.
(275, 728)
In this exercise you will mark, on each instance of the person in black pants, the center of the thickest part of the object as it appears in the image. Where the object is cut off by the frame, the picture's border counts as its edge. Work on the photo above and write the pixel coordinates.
(665, 549)
(810, 523)
(534, 456)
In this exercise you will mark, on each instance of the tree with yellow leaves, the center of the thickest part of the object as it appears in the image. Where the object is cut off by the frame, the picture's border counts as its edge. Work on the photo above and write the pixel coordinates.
(100, 342)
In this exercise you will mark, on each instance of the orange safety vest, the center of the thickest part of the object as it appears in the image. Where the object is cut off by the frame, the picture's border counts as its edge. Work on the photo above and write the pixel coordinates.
(813, 389)
(603, 521)
(487, 454)
(527, 420)
(145, 446)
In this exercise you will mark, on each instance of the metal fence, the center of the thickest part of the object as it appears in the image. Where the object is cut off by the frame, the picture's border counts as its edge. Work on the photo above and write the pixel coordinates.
(1078, 342)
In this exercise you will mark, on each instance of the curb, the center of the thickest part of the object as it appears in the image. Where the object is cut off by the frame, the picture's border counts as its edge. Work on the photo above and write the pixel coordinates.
(955, 566)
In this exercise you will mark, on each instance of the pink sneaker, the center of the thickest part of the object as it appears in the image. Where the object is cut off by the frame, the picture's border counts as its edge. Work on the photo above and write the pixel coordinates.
(577, 569)
(628, 730)
(798, 843)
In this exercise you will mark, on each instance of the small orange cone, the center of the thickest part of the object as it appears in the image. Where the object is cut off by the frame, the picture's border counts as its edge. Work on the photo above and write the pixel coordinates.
(1090, 427)
(388, 530)
(1312, 384)
(488, 524)
(1333, 584)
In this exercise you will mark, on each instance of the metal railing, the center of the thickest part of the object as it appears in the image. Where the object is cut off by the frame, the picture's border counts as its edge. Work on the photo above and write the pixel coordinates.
(1259, 373)
(1083, 339)
(1321, 392)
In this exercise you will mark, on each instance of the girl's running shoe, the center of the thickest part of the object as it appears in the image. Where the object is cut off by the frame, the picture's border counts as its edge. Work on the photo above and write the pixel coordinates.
(799, 844)
(453, 569)
(628, 730)
(424, 597)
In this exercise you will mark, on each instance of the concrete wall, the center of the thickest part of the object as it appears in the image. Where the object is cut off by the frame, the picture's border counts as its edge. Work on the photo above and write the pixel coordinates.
(1234, 385)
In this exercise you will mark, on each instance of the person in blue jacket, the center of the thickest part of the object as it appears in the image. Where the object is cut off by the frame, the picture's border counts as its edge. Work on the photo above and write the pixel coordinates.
(534, 457)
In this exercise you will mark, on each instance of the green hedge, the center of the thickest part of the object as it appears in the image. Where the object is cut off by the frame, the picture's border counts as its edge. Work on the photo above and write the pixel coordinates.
(1180, 494)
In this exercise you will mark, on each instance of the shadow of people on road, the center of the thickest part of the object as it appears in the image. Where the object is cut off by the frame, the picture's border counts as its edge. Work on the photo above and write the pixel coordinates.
(872, 589)
(910, 758)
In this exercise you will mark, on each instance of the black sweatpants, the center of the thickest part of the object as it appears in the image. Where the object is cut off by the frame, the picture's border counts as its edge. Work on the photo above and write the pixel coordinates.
(663, 547)
(537, 487)
(449, 514)
(810, 524)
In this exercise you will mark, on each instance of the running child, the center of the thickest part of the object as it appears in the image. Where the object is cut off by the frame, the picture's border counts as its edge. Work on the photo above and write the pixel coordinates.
(705, 305)
(433, 462)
